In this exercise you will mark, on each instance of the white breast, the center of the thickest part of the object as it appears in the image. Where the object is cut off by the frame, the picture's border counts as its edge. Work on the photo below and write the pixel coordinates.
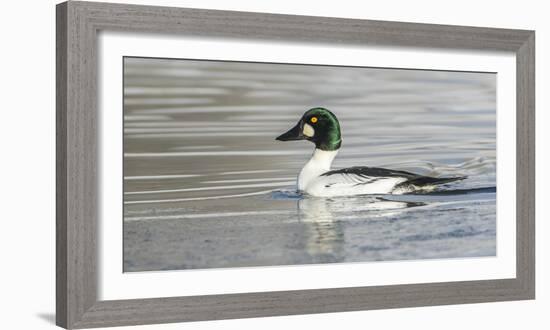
(319, 163)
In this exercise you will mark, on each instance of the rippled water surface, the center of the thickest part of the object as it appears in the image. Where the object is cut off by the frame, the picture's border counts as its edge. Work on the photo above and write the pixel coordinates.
(206, 185)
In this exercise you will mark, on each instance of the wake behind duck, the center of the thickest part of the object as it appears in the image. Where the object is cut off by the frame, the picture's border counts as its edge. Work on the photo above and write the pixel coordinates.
(316, 178)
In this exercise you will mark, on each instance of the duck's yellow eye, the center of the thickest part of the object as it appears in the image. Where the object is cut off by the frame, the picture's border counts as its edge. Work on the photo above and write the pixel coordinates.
(313, 119)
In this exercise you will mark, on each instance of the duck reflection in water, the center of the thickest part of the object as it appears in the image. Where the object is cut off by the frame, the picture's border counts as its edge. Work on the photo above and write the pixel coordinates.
(324, 218)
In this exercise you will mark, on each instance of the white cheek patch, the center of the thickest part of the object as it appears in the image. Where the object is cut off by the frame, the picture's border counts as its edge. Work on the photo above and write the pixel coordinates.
(308, 130)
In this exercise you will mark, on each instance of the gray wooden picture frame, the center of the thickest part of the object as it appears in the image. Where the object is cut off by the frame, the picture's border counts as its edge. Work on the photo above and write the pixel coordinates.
(78, 24)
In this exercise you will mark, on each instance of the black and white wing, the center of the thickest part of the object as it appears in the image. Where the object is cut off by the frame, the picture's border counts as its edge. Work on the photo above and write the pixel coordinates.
(369, 180)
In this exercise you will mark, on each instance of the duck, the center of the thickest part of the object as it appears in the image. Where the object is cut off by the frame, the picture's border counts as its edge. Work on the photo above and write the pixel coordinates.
(321, 127)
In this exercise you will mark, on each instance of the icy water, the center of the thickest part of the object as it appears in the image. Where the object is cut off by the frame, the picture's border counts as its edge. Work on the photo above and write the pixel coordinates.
(207, 186)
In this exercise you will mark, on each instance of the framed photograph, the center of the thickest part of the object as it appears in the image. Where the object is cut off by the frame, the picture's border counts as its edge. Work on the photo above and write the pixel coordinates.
(217, 164)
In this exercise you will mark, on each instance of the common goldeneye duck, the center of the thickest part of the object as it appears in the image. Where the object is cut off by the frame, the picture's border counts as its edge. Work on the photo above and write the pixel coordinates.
(316, 178)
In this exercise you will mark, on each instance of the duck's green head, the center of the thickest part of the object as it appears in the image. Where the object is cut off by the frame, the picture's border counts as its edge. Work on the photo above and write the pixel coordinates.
(319, 126)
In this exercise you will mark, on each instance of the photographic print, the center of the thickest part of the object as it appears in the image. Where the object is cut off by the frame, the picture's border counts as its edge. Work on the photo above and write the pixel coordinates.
(241, 164)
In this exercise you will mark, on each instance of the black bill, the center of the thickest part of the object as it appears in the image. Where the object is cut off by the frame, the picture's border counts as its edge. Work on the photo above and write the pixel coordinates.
(295, 133)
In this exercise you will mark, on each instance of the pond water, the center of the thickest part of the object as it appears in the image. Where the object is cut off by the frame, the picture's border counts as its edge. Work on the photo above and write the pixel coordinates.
(207, 186)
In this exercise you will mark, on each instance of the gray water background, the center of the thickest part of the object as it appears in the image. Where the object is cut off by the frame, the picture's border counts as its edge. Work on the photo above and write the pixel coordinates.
(207, 186)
